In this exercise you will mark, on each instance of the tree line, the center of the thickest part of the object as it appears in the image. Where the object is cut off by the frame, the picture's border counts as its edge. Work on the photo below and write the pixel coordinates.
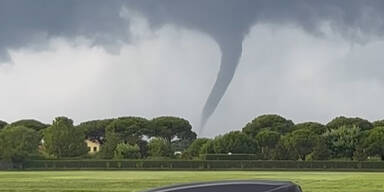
(270, 137)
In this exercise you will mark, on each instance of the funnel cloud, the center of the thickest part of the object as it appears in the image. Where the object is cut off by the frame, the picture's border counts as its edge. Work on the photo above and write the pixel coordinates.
(231, 52)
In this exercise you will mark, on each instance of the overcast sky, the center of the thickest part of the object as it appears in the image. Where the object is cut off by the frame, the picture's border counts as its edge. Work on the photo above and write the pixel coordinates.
(94, 60)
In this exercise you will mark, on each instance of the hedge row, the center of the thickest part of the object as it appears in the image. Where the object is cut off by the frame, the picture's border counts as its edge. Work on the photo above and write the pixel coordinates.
(5, 165)
(201, 165)
(231, 157)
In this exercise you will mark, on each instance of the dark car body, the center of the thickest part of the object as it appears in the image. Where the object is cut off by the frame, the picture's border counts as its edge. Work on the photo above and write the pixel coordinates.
(234, 186)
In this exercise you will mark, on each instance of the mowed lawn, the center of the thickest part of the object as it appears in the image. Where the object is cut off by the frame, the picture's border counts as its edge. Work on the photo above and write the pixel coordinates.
(141, 180)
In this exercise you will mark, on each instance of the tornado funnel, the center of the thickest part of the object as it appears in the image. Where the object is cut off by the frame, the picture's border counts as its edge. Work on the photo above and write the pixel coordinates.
(231, 49)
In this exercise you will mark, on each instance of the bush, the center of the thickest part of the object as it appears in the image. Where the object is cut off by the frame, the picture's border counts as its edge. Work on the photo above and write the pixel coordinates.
(159, 147)
(284, 151)
(207, 147)
(3, 124)
(195, 148)
(234, 142)
(126, 151)
(62, 139)
(320, 151)
(18, 143)
(360, 154)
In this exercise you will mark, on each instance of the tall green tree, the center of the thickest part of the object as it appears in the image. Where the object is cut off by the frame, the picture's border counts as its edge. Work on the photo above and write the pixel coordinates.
(129, 130)
(320, 151)
(159, 147)
(379, 123)
(17, 143)
(302, 141)
(95, 130)
(267, 141)
(108, 149)
(374, 142)
(284, 150)
(207, 147)
(3, 124)
(195, 148)
(314, 127)
(270, 122)
(350, 122)
(343, 141)
(234, 142)
(171, 128)
(62, 139)
(126, 151)
(30, 123)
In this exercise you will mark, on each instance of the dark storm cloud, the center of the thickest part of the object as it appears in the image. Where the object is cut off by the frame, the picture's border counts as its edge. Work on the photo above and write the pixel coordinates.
(226, 21)
(100, 20)
(22, 20)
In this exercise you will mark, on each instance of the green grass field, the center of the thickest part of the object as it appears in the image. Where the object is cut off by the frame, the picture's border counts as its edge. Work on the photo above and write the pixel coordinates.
(140, 180)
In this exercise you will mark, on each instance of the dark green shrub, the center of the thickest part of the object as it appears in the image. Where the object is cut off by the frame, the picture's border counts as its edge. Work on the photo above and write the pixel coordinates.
(126, 151)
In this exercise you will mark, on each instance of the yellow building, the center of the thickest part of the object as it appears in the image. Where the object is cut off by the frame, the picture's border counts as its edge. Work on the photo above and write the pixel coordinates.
(93, 146)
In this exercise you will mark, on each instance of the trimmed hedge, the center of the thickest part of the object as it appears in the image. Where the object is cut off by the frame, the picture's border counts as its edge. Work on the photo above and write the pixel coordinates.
(5, 165)
(230, 157)
(201, 165)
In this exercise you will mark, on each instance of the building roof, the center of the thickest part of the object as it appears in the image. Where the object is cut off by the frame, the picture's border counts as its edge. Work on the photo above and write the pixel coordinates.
(93, 141)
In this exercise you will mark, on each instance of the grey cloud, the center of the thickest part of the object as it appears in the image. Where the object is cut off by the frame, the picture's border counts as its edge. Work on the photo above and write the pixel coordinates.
(100, 20)
(21, 20)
